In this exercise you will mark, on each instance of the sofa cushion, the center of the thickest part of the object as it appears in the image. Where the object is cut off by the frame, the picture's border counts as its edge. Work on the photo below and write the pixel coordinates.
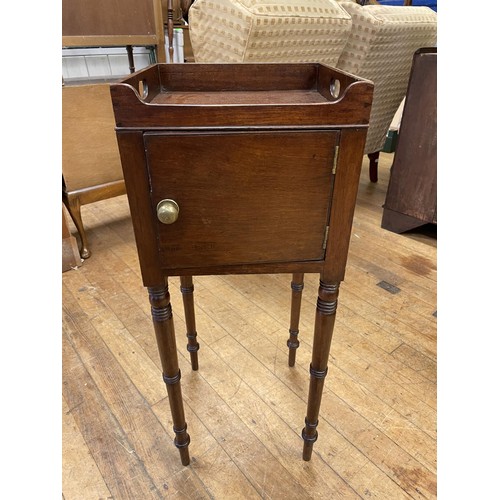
(268, 30)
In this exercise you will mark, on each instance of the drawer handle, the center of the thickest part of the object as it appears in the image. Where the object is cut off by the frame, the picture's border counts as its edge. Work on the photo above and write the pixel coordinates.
(167, 211)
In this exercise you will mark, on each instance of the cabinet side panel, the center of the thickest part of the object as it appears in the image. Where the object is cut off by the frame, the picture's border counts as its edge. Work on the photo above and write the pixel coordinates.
(345, 190)
(135, 173)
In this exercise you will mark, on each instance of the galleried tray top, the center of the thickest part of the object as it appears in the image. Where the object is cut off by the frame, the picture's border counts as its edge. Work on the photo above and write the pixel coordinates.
(252, 94)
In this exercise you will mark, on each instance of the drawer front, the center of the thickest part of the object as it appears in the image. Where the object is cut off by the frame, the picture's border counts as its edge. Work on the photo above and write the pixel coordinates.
(243, 197)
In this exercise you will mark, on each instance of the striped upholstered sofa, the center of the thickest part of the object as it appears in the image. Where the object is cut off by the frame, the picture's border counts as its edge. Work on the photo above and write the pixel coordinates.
(372, 41)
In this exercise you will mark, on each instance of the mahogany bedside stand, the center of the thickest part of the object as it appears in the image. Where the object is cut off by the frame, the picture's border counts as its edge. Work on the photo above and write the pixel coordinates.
(241, 169)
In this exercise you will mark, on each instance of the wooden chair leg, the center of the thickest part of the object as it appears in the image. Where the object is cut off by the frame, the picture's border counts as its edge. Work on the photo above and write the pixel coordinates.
(293, 341)
(323, 331)
(74, 209)
(187, 289)
(161, 311)
(373, 157)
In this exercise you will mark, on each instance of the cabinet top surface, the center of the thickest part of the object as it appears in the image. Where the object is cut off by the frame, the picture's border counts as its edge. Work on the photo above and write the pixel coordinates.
(257, 97)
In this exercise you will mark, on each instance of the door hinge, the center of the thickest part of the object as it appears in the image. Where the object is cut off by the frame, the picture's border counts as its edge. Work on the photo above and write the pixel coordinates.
(335, 159)
(325, 239)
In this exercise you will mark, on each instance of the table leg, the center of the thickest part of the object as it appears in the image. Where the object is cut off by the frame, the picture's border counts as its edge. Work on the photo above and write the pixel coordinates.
(130, 54)
(293, 341)
(161, 311)
(187, 289)
(373, 168)
(323, 331)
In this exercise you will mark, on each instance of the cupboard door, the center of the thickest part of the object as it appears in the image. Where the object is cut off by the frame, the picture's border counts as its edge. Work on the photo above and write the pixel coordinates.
(243, 197)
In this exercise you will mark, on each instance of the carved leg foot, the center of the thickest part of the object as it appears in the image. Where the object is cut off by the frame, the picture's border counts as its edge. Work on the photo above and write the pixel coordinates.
(373, 157)
(323, 331)
(74, 209)
(187, 289)
(161, 312)
(293, 341)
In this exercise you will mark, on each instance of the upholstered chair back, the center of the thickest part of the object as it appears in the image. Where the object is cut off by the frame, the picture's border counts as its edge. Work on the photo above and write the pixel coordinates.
(380, 48)
(376, 42)
(268, 31)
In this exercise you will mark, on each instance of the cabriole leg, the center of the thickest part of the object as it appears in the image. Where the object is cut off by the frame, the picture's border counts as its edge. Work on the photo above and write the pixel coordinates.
(323, 331)
(74, 208)
(161, 311)
(293, 341)
(187, 289)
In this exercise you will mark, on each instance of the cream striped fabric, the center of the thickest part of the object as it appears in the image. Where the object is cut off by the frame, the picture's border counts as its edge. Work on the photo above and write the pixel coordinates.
(380, 48)
(268, 30)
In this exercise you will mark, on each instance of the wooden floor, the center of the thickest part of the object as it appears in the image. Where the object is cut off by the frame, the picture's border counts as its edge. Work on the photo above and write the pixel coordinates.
(245, 407)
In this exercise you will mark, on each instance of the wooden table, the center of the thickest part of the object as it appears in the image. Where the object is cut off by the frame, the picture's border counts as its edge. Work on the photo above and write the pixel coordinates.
(241, 169)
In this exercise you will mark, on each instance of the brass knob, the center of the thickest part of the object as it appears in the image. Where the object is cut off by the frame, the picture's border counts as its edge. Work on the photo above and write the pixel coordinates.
(167, 211)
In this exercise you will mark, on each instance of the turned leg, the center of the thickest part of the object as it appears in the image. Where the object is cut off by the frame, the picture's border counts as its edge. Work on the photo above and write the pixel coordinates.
(187, 289)
(74, 209)
(373, 157)
(293, 341)
(323, 330)
(161, 312)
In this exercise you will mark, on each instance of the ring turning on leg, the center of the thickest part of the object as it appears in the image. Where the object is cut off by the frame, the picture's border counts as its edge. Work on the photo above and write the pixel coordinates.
(293, 341)
(161, 312)
(187, 289)
(323, 331)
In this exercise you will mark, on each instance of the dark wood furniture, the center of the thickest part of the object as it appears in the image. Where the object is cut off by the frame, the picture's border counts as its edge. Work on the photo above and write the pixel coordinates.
(411, 199)
(238, 169)
(177, 14)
